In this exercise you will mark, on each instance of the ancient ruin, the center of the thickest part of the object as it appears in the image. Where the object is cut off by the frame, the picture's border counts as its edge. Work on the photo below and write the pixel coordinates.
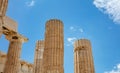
(83, 59)
(24, 66)
(8, 27)
(49, 53)
(53, 56)
(38, 59)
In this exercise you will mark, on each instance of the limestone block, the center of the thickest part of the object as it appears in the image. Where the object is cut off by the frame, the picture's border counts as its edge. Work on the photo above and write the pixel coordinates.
(10, 24)
(24, 68)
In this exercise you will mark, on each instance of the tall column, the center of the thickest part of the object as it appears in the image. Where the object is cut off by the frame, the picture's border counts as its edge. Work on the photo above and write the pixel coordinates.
(13, 56)
(38, 61)
(83, 59)
(3, 7)
(54, 47)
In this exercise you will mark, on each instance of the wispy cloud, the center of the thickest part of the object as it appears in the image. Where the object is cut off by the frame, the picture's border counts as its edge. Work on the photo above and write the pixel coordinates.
(70, 40)
(72, 28)
(81, 30)
(116, 69)
(30, 3)
(110, 7)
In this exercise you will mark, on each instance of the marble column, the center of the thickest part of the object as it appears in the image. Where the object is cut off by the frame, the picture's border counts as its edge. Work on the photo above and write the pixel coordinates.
(53, 57)
(38, 60)
(0, 27)
(13, 56)
(83, 59)
(3, 7)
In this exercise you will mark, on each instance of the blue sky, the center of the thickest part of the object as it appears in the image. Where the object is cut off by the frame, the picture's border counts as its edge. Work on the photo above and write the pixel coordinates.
(96, 20)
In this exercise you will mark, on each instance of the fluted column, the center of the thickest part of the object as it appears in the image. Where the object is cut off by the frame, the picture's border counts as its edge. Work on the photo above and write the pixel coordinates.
(54, 47)
(38, 61)
(0, 26)
(3, 7)
(13, 56)
(83, 59)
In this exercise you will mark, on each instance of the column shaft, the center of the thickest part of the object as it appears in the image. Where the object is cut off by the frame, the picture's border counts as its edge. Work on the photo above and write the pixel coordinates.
(13, 57)
(83, 59)
(38, 61)
(1, 26)
(54, 47)
(3, 7)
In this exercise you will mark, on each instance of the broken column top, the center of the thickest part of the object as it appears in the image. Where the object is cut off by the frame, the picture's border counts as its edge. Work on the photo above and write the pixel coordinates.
(82, 43)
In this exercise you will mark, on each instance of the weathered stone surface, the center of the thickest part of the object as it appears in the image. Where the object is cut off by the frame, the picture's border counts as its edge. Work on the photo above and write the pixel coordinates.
(25, 67)
(2, 61)
(0, 29)
(53, 57)
(7, 26)
(83, 59)
(3, 7)
(1, 23)
(13, 56)
(10, 24)
(38, 60)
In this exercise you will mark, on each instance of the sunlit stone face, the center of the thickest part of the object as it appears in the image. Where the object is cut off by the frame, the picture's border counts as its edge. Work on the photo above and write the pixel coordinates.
(3, 7)
(24, 67)
(53, 57)
(53, 71)
(83, 60)
(40, 53)
(38, 61)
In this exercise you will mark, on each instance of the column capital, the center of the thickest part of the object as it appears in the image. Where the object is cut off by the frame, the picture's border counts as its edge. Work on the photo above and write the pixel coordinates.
(16, 37)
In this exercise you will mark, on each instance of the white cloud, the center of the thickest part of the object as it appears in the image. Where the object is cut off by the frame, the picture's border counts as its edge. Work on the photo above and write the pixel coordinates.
(116, 69)
(71, 41)
(72, 28)
(76, 29)
(30, 3)
(81, 30)
(110, 7)
(118, 66)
